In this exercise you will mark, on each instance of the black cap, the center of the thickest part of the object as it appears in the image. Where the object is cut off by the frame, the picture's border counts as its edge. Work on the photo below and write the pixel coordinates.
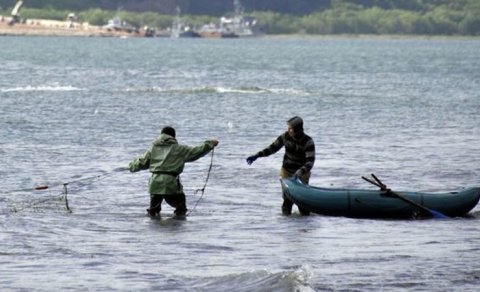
(169, 131)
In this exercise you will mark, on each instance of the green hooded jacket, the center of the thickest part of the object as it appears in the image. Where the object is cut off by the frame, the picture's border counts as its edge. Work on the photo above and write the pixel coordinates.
(166, 160)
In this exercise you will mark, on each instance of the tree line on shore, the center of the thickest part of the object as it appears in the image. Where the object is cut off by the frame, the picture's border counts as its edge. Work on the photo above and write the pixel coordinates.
(407, 17)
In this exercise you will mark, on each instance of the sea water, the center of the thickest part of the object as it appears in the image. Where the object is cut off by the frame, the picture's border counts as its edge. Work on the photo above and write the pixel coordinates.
(73, 110)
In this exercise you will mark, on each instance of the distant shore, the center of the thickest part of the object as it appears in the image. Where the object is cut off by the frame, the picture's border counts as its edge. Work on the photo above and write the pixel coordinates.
(39, 27)
(371, 36)
(64, 28)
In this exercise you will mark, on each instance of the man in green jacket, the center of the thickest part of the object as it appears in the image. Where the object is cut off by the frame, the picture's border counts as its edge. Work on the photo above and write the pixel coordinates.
(166, 160)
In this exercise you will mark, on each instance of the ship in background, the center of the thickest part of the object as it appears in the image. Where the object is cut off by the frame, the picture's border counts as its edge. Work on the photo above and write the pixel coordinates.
(236, 25)
(180, 30)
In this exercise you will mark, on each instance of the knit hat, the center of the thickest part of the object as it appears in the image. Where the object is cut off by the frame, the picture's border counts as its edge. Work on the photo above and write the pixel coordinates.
(169, 131)
(295, 122)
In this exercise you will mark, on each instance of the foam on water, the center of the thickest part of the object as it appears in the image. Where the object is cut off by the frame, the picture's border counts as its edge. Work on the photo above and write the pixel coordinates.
(30, 88)
(294, 279)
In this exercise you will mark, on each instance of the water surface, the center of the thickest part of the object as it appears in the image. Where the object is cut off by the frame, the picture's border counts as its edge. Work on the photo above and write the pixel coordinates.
(74, 109)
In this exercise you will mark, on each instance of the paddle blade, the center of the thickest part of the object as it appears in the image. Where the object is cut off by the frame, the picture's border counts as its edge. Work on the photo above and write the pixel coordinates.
(438, 215)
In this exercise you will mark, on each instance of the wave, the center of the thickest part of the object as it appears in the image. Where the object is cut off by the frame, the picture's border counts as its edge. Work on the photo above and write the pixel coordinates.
(41, 88)
(296, 279)
(221, 89)
(193, 90)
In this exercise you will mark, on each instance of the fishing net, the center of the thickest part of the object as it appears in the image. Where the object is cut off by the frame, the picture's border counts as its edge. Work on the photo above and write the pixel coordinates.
(47, 198)
(54, 198)
(50, 203)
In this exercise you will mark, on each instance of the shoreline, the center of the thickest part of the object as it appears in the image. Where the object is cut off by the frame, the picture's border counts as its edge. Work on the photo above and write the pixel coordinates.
(370, 36)
(69, 29)
(41, 27)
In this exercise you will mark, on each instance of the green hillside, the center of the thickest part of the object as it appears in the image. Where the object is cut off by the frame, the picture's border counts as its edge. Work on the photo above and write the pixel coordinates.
(423, 17)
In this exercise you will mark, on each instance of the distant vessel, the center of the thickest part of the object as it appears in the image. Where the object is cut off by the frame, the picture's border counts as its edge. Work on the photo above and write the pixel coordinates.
(210, 30)
(117, 24)
(179, 30)
(236, 25)
(239, 25)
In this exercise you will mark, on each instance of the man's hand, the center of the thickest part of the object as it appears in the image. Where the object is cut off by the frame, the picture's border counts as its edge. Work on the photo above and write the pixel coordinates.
(300, 172)
(215, 143)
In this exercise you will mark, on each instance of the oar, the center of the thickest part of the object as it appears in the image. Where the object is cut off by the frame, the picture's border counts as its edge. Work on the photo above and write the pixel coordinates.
(383, 187)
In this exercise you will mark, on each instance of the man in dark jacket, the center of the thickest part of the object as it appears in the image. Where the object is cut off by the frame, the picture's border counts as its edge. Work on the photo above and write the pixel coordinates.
(166, 159)
(298, 159)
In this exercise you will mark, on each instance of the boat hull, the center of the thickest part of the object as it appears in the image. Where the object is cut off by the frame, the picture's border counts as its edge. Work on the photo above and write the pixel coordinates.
(375, 203)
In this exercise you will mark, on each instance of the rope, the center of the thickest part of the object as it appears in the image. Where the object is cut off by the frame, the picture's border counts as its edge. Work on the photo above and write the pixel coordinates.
(37, 188)
(204, 186)
(44, 187)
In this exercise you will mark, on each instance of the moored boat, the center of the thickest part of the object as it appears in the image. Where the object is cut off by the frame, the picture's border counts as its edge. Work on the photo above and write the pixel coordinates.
(358, 203)
(238, 25)
(235, 25)
(179, 30)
